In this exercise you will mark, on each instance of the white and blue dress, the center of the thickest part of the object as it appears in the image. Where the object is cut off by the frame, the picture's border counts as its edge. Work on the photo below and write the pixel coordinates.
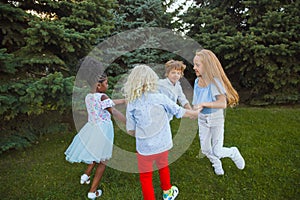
(94, 142)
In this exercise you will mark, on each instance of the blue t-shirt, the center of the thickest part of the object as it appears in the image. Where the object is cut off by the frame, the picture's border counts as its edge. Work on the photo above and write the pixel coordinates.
(207, 94)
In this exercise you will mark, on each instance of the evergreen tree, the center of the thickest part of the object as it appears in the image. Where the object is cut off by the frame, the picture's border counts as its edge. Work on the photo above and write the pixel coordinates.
(257, 42)
(41, 43)
(64, 30)
(134, 15)
(13, 21)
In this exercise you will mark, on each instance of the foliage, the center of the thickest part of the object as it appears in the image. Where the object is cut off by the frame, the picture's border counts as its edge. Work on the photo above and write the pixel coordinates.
(28, 101)
(13, 21)
(52, 92)
(41, 43)
(268, 138)
(56, 32)
(7, 64)
(257, 43)
(25, 131)
(135, 14)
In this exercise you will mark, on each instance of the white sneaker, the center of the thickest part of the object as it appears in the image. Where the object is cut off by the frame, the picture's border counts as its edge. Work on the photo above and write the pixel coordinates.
(217, 165)
(237, 158)
(219, 171)
(94, 195)
(85, 179)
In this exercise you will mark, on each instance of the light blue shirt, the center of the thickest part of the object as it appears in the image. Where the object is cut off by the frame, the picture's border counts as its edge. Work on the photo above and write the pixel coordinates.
(148, 117)
(207, 94)
(174, 92)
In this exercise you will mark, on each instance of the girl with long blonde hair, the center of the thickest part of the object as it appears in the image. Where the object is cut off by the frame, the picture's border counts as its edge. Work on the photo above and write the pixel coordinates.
(212, 93)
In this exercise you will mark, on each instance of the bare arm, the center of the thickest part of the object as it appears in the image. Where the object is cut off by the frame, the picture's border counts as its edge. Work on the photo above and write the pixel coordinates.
(118, 115)
(118, 101)
(114, 112)
(193, 114)
(131, 132)
(219, 103)
(187, 106)
(104, 97)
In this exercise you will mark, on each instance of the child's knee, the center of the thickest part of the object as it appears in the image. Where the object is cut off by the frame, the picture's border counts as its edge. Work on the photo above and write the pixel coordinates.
(205, 151)
(217, 152)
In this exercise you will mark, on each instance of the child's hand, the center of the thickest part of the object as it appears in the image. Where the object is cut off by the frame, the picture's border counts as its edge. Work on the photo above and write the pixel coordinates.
(198, 107)
(131, 132)
(192, 114)
(195, 114)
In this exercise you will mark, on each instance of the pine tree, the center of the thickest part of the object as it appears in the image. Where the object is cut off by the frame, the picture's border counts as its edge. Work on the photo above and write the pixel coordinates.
(257, 43)
(134, 15)
(41, 44)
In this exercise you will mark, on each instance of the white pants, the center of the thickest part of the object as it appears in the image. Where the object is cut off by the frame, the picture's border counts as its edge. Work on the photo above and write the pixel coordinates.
(211, 134)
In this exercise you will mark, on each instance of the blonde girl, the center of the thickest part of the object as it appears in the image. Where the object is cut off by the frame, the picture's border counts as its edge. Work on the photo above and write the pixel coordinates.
(212, 93)
(147, 118)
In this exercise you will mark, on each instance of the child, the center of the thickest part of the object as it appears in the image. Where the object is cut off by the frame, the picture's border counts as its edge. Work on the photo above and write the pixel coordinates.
(94, 142)
(170, 86)
(212, 93)
(147, 118)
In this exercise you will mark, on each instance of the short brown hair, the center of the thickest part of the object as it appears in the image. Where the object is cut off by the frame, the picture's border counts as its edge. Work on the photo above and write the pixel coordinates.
(174, 64)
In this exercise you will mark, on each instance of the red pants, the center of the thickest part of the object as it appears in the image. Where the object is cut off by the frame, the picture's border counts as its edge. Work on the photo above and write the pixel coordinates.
(145, 165)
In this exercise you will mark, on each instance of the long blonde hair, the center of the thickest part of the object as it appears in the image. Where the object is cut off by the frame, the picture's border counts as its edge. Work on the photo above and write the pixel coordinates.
(141, 79)
(213, 69)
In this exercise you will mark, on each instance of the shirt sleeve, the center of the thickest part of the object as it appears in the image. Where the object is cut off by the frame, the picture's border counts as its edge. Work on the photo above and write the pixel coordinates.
(107, 103)
(130, 121)
(217, 89)
(181, 96)
(172, 108)
(194, 101)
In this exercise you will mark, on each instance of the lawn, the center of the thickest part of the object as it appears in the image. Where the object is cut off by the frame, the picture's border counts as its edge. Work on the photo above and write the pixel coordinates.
(268, 138)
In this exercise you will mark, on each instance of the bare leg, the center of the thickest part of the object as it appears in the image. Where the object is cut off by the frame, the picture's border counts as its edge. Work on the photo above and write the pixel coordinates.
(98, 175)
(89, 169)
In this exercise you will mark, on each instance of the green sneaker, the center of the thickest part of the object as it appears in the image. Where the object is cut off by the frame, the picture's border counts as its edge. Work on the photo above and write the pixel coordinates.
(172, 194)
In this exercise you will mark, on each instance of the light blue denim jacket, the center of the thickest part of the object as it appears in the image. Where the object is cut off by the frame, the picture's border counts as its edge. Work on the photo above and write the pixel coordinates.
(148, 117)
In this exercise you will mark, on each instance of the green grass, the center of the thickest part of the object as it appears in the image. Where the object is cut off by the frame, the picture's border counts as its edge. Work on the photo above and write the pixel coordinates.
(268, 138)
